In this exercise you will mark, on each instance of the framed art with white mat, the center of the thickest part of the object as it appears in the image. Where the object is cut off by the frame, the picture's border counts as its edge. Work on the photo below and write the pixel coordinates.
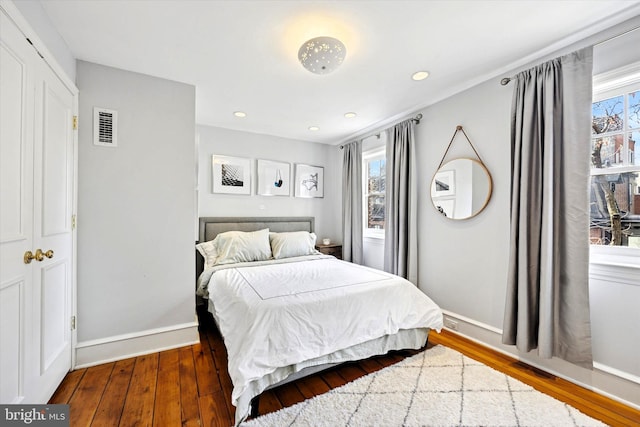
(274, 178)
(231, 175)
(309, 181)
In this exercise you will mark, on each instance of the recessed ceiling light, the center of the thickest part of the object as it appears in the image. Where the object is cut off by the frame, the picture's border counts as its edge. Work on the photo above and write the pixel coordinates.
(240, 114)
(314, 128)
(420, 75)
(350, 115)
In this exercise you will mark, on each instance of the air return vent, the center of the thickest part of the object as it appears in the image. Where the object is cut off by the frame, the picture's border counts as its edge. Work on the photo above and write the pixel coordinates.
(105, 127)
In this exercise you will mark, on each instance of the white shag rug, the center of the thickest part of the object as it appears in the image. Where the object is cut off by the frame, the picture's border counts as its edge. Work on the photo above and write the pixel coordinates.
(437, 387)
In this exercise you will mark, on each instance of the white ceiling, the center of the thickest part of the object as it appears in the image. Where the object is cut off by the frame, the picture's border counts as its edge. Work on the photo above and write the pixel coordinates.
(242, 55)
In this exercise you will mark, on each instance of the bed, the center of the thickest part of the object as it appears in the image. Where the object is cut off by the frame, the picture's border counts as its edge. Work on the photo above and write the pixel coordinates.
(286, 311)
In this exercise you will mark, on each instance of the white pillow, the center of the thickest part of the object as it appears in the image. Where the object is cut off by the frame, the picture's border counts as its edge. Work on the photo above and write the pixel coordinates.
(293, 243)
(241, 246)
(209, 253)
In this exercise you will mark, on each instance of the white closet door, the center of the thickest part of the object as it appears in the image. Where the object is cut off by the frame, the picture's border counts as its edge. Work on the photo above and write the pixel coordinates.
(36, 179)
(52, 232)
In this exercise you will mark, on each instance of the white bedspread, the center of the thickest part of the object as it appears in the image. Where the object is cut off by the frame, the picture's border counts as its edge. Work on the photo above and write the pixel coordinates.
(283, 312)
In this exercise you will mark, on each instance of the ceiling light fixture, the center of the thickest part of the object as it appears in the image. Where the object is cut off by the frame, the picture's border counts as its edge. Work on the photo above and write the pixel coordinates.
(322, 55)
(314, 128)
(420, 75)
(350, 115)
(240, 114)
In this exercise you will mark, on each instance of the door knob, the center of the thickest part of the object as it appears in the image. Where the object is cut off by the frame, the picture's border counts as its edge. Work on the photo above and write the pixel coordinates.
(28, 257)
(39, 256)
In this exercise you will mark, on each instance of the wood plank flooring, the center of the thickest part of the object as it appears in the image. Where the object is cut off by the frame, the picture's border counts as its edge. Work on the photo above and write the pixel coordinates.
(190, 386)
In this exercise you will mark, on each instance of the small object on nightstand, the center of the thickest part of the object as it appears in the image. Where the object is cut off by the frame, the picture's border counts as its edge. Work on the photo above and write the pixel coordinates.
(326, 241)
(330, 249)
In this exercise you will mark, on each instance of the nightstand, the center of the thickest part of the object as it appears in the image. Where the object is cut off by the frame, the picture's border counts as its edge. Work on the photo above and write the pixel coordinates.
(331, 249)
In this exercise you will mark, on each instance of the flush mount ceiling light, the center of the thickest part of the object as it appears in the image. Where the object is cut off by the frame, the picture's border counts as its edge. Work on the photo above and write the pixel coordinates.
(314, 128)
(240, 114)
(349, 115)
(420, 75)
(322, 55)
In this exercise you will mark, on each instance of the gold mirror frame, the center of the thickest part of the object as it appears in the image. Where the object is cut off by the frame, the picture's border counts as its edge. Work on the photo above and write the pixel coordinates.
(461, 188)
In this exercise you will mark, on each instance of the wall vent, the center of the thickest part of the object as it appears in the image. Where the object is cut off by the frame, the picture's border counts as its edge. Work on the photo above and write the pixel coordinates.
(105, 127)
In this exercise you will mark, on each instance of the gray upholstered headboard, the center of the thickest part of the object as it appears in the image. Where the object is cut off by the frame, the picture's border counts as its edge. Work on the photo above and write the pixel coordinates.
(210, 227)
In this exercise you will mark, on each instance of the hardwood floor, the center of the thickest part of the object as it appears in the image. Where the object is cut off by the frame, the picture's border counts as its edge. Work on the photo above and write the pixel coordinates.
(190, 386)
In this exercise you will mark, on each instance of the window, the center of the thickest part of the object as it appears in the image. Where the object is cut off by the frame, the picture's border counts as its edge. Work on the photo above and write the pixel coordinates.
(615, 161)
(374, 182)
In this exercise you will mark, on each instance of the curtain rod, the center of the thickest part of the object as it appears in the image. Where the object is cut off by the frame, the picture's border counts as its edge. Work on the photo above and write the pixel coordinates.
(416, 119)
(505, 81)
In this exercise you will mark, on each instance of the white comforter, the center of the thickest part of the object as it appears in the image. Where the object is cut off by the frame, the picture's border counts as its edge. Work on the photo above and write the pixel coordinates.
(283, 312)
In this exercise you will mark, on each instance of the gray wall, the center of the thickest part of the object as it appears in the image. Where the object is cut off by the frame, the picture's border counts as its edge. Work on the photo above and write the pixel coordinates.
(136, 205)
(256, 146)
(463, 263)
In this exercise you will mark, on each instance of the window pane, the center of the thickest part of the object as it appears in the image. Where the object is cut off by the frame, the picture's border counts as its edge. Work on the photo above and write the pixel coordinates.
(607, 115)
(376, 181)
(634, 110)
(376, 176)
(375, 211)
(607, 151)
(612, 196)
(634, 148)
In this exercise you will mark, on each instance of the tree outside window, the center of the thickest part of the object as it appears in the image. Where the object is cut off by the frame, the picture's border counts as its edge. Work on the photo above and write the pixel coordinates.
(615, 169)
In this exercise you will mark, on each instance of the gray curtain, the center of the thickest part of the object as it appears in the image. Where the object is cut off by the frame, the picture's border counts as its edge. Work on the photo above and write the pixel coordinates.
(401, 225)
(352, 202)
(547, 305)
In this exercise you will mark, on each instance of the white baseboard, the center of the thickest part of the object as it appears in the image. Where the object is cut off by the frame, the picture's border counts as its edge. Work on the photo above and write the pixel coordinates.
(617, 372)
(104, 350)
(602, 379)
(472, 322)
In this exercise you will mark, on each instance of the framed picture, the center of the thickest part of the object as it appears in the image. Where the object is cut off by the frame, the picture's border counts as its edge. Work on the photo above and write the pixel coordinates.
(231, 175)
(274, 178)
(444, 184)
(309, 181)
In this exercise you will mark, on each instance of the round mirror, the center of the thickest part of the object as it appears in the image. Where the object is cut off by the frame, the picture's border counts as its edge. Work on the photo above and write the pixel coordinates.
(461, 188)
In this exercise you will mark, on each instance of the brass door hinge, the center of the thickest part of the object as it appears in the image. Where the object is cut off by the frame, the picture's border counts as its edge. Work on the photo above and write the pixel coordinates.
(75, 122)
(73, 323)
(73, 222)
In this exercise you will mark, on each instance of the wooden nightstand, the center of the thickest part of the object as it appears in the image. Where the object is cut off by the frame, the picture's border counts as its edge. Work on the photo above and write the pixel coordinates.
(331, 249)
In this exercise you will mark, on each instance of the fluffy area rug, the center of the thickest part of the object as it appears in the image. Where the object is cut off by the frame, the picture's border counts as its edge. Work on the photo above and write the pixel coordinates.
(437, 387)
